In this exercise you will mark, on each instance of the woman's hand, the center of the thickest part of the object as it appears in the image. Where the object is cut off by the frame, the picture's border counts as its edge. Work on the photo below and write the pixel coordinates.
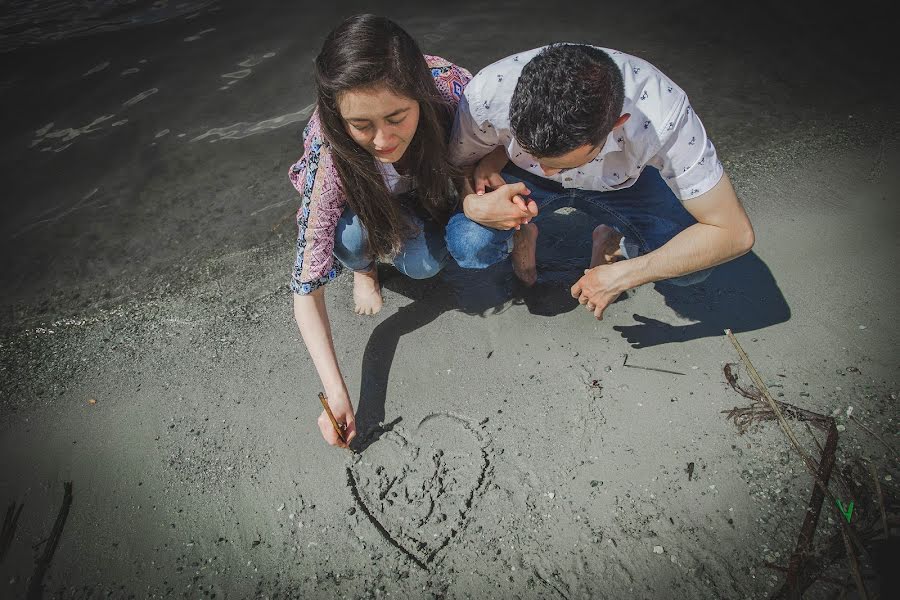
(507, 207)
(342, 410)
(487, 171)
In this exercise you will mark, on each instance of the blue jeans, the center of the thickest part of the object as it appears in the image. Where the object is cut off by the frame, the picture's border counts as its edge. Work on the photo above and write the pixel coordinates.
(647, 214)
(421, 257)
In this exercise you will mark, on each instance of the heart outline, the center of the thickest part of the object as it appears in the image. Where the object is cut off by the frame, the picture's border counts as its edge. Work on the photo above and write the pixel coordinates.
(429, 557)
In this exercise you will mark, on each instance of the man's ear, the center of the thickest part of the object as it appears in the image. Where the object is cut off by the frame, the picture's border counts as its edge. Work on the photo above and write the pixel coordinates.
(621, 120)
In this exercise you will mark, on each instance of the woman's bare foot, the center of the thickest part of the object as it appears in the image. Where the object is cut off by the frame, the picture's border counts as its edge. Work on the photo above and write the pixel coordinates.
(523, 256)
(367, 292)
(606, 247)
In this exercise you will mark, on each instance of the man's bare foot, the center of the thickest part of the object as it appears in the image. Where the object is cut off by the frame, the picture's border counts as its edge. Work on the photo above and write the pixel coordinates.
(606, 247)
(367, 292)
(523, 256)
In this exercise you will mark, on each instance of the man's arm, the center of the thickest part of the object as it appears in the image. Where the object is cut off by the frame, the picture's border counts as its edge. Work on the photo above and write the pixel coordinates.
(471, 137)
(722, 232)
(473, 141)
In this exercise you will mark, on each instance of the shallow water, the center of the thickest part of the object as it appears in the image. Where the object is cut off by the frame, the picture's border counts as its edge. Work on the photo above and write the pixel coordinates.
(30, 23)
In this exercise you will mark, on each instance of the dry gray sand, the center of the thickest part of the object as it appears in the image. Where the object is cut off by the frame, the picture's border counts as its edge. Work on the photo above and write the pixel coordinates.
(149, 356)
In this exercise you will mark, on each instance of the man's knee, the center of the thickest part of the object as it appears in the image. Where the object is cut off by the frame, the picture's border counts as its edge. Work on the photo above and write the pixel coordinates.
(689, 279)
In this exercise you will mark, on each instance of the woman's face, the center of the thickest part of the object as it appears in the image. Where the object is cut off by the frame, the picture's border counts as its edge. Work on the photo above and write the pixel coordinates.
(379, 121)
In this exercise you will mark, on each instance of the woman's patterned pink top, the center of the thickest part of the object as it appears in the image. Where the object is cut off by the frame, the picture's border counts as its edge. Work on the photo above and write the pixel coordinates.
(322, 197)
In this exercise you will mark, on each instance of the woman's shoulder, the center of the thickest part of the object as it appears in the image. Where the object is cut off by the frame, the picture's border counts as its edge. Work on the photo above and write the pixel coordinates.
(449, 78)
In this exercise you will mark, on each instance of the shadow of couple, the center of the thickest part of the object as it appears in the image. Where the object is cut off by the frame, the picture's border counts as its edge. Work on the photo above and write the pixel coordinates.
(741, 295)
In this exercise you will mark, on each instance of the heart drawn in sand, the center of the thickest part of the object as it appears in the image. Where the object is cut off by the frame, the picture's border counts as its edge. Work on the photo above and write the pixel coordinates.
(418, 489)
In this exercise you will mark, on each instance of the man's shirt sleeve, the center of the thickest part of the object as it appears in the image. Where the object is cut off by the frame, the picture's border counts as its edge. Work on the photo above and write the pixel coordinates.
(473, 136)
(687, 159)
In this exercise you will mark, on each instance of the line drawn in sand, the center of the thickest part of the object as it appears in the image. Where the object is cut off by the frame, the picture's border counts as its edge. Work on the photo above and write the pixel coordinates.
(275, 205)
(418, 489)
(86, 201)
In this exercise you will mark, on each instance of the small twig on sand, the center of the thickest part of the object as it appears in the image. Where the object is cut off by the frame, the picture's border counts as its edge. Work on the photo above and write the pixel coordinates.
(9, 528)
(35, 587)
(40, 543)
(887, 532)
(625, 364)
(854, 564)
(655, 369)
(847, 532)
(876, 436)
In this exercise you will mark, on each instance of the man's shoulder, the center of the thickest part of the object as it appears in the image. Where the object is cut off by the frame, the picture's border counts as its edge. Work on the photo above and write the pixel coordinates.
(506, 67)
(651, 97)
(492, 87)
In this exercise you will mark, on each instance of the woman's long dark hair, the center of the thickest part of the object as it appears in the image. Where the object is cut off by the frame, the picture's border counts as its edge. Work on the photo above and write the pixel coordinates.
(368, 51)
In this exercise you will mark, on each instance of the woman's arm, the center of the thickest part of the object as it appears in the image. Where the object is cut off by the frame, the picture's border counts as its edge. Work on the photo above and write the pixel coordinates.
(312, 319)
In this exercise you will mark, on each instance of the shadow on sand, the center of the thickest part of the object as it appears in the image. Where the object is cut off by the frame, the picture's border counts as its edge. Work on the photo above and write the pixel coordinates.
(741, 295)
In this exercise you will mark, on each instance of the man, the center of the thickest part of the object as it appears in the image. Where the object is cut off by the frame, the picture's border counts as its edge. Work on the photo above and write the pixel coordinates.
(605, 132)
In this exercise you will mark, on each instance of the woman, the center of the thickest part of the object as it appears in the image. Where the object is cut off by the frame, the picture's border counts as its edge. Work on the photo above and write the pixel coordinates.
(374, 180)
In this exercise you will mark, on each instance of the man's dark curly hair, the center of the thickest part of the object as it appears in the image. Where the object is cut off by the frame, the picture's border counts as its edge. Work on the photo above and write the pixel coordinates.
(567, 96)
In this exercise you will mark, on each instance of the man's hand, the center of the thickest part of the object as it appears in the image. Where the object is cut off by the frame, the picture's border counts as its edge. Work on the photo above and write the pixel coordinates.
(342, 410)
(598, 288)
(487, 171)
(504, 208)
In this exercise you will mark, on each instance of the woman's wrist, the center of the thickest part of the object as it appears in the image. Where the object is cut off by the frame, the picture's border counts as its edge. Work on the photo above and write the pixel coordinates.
(335, 389)
(471, 207)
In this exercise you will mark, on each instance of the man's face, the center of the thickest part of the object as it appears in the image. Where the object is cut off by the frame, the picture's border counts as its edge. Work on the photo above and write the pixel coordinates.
(570, 160)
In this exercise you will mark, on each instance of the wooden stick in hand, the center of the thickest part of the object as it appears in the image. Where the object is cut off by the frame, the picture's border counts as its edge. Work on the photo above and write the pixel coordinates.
(337, 428)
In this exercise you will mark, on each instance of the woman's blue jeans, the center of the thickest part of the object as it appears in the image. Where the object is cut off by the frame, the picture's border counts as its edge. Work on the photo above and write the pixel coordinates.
(421, 257)
(647, 214)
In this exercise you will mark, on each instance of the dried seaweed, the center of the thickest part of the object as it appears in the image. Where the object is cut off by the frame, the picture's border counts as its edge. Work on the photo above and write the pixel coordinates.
(759, 410)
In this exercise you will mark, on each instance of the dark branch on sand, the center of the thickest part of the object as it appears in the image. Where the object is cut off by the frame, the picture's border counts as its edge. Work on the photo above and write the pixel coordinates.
(9, 528)
(35, 587)
(851, 538)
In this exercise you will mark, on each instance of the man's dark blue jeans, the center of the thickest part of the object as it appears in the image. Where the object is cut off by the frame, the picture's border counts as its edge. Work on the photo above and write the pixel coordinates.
(647, 214)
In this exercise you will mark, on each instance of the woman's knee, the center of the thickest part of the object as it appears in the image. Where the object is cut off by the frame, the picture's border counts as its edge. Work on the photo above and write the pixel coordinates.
(351, 245)
(420, 266)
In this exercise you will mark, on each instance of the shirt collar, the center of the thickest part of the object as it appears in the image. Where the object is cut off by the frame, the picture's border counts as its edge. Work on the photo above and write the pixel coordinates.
(612, 142)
